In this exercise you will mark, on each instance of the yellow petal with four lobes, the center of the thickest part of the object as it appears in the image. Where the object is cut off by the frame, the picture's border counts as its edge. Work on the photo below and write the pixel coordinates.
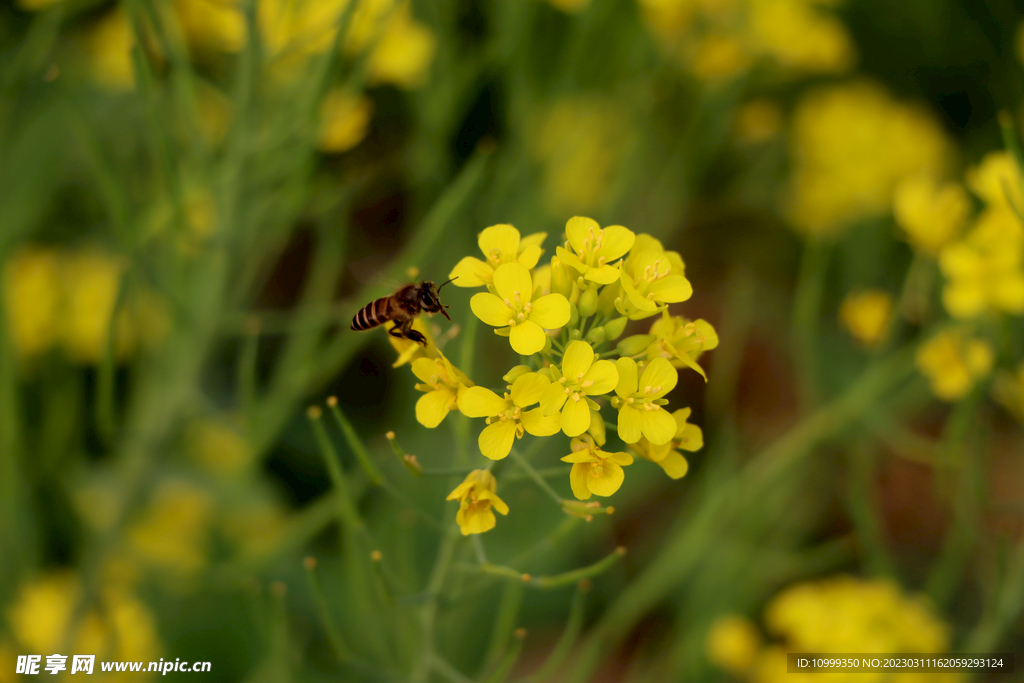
(553, 399)
(603, 275)
(496, 439)
(629, 424)
(551, 311)
(527, 338)
(604, 375)
(528, 389)
(498, 503)
(471, 272)
(615, 242)
(578, 229)
(434, 406)
(491, 309)
(659, 373)
(537, 423)
(607, 481)
(576, 417)
(579, 356)
(578, 480)
(671, 289)
(675, 465)
(499, 243)
(657, 425)
(481, 402)
(619, 457)
(531, 248)
(627, 384)
(475, 520)
(513, 283)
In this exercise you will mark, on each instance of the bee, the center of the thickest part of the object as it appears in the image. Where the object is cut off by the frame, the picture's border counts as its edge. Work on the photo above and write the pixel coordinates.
(402, 307)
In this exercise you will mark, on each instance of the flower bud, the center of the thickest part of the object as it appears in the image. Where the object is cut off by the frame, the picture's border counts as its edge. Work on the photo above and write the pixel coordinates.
(596, 335)
(588, 302)
(635, 345)
(606, 299)
(515, 373)
(615, 328)
(596, 428)
(574, 317)
(561, 278)
(575, 335)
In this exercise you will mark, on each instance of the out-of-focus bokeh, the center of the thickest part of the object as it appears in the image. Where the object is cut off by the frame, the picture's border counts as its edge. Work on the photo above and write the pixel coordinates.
(201, 461)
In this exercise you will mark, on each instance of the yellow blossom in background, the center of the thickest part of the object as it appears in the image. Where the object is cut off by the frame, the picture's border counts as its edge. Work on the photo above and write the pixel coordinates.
(640, 401)
(255, 527)
(594, 471)
(500, 244)
(866, 315)
(651, 278)
(591, 250)
(107, 49)
(931, 215)
(120, 628)
(688, 437)
(719, 57)
(581, 376)
(581, 142)
(477, 501)
(344, 120)
(404, 52)
(218, 447)
(172, 532)
(513, 309)
(32, 299)
(851, 145)
(212, 24)
(1008, 391)
(799, 34)
(953, 362)
(732, 643)
(442, 384)
(409, 350)
(998, 180)
(985, 270)
(92, 279)
(506, 419)
(296, 29)
(758, 121)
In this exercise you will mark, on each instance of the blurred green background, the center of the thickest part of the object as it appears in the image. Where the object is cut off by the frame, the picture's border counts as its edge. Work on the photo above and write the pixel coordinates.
(197, 195)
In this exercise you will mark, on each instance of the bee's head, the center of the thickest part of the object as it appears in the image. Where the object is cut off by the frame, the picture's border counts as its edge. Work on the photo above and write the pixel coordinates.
(429, 299)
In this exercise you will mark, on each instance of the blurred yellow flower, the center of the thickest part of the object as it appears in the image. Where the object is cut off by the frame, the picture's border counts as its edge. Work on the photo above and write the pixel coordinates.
(255, 527)
(513, 310)
(172, 532)
(218, 447)
(688, 437)
(757, 121)
(107, 46)
(33, 299)
(580, 376)
(985, 270)
(477, 501)
(1008, 391)
(953, 362)
(718, 57)
(500, 244)
(404, 52)
(442, 384)
(121, 628)
(506, 419)
(212, 24)
(998, 180)
(798, 34)
(732, 643)
(931, 215)
(640, 401)
(866, 315)
(344, 120)
(851, 145)
(91, 280)
(594, 471)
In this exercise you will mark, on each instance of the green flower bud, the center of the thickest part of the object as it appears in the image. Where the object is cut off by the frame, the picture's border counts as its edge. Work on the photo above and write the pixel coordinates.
(588, 302)
(635, 345)
(575, 335)
(615, 328)
(561, 278)
(515, 373)
(596, 335)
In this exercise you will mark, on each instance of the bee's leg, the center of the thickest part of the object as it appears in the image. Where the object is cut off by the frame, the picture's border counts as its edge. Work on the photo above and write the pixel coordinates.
(405, 331)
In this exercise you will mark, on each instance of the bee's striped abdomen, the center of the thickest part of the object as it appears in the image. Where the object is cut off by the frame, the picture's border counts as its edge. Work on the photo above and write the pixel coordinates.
(372, 314)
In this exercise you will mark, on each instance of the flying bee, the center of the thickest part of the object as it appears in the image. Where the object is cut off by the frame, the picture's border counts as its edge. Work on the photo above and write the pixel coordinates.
(402, 307)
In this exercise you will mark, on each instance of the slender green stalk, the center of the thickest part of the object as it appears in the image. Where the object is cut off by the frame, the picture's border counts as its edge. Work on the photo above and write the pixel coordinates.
(863, 511)
(505, 617)
(533, 474)
(1006, 608)
(330, 628)
(347, 513)
(245, 368)
(355, 444)
(427, 657)
(508, 661)
(566, 642)
(806, 320)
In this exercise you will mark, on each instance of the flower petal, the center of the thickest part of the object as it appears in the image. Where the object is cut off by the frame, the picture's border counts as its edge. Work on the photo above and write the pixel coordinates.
(657, 425)
(528, 389)
(527, 338)
(692, 438)
(579, 356)
(576, 417)
(530, 255)
(471, 272)
(497, 503)
(481, 402)
(553, 398)
(425, 368)
(671, 289)
(475, 520)
(627, 370)
(659, 373)
(604, 375)
(551, 311)
(603, 275)
(570, 259)
(629, 425)
(578, 229)
(674, 464)
(501, 241)
(490, 309)
(537, 423)
(433, 406)
(496, 439)
(578, 480)
(511, 278)
(619, 457)
(616, 241)
(608, 481)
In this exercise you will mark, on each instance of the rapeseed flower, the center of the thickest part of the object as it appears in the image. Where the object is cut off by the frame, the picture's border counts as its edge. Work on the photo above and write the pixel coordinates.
(640, 402)
(998, 180)
(500, 244)
(32, 299)
(674, 338)
(651, 278)
(506, 418)
(107, 48)
(954, 362)
(409, 350)
(594, 471)
(515, 312)
(580, 376)
(477, 501)
(344, 120)
(732, 643)
(688, 437)
(172, 534)
(985, 270)
(866, 315)
(590, 249)
(931, 215)
(442, 383)
(217, 25)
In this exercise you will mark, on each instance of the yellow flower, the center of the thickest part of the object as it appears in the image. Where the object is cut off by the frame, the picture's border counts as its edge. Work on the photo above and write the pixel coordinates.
(581, 376)
(718, 56)
(344, 120)
(506, 419)
(32, 299)
(212, 24)
(688, 437)
(732, 643)
(998, 180)
(985, 270)
(477, 501)
(640, 401)
(107, 47)
(651, 278)
(218, 447)
(866, 315)
(500, 244)
(443, 383)
(514, 310)
(1008, 391)
(852, 144)
(92, 279)
(674, 338)
(595, 472)
(930, 214)
(409, 350)
(404, 51)
(298, 28)
(593, 249)
(172, 533)
(797, 34)
(954, 362)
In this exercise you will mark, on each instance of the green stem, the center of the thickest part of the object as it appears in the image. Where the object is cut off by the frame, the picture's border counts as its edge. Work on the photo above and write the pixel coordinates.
(428, 611)
(505, 618)
(355, 443)
(347, 513)
(862, 507)
(330, 628)
(544, 486)
(807, 319)
(568, 639)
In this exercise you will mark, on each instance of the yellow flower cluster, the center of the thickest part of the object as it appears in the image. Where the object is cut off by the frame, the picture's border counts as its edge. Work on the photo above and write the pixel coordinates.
(67, 299)
(866, 315)
(563, 318)
(953, 362)
(837, 615)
